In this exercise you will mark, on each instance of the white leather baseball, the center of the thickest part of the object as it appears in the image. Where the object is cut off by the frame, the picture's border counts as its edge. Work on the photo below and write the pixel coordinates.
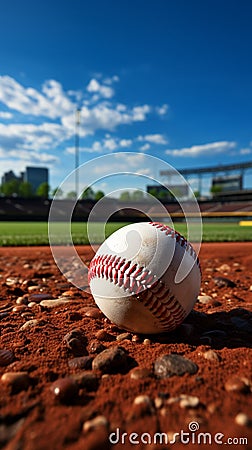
(145, 278)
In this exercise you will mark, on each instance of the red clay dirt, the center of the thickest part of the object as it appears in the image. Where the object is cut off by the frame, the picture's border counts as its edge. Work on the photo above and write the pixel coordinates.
(40, 411)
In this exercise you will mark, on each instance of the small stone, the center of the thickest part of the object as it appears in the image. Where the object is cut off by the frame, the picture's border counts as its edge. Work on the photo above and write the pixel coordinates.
(67, 294)
(76, 342)
(158, 402)
(204, 299)
(172, 400)
(3, 315)
(33, 288)
(238, 384)
(188, 401)
(29, 324)
(139, 373)
(6, 357)
(54, 303)
(22, 301)
(123, 336)
(17, 381)
(211, 355)
(65, 390)
(111, 360)
(19, 308)
(146, 341)
(27, 315)
(224, 268)
(87, 380)
(250, 288)
(224, 282)
(37, 298)
(98, 421)
(142, 406)
(32, 304)
(102, 335)
(169, 365)
(81, 362)
(12, 281)
(96, 347)
(105, 375)
(142, 399)
(243, 420)
(74, 316)
(94, 313)
(135, 338)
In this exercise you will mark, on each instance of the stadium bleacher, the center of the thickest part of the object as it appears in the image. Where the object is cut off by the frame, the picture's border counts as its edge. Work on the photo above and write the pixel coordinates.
(37, 209)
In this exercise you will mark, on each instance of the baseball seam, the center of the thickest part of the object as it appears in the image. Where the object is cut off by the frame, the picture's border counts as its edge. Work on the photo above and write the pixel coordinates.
(139, 281)
(179, 239)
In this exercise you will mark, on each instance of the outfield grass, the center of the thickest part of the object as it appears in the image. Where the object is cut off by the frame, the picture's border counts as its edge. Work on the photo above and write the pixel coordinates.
(36, 233)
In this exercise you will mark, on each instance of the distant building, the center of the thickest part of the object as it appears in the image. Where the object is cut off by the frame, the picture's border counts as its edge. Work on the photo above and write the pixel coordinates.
(9, 176)
(35, 176)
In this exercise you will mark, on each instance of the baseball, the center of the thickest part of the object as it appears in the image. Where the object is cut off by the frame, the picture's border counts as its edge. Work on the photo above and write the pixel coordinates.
(145, 278)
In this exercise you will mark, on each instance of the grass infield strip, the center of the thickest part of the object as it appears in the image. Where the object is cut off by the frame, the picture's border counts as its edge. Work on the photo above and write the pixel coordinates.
(36, 233)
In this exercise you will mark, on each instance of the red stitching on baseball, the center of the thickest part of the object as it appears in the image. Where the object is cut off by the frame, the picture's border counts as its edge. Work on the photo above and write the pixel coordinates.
(139, 281)
(179, 238)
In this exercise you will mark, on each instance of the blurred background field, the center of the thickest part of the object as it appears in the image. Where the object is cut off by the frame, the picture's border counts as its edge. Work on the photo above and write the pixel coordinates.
(36, 233)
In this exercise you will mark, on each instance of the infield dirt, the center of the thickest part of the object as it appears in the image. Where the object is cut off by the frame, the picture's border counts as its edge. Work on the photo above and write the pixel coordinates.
(50, 341)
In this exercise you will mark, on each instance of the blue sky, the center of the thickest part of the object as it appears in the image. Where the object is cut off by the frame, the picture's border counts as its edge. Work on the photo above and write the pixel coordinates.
(162, 78)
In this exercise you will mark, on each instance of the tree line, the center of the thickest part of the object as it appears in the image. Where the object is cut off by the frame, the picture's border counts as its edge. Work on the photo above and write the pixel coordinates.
(23, 189)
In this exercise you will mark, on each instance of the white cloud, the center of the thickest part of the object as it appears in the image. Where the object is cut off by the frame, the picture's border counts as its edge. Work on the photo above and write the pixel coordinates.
(104, 116)
(104, 91)
(145, 147)
(140, 112)
(153, 139)
(132, 162)
(30, 156)
(245, 151)
(204, 149)
(107, 144)
(162, 110)
(111, 80)
(121, 108)
(53, 104)
(125, 143)
(5, 115)
(31, 137)
(110, 144)
(44, 119)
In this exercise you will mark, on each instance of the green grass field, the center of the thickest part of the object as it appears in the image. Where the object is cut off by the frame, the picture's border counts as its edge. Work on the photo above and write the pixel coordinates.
(36, 233)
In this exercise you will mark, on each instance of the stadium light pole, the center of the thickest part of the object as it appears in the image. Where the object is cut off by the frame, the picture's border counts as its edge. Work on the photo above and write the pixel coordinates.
(77, 149)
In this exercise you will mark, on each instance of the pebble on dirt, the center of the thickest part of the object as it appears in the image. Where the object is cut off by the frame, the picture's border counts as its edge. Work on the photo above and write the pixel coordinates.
(111, 360)
(6, 357)
(17, 381)
(169, 365)
(65, 390)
